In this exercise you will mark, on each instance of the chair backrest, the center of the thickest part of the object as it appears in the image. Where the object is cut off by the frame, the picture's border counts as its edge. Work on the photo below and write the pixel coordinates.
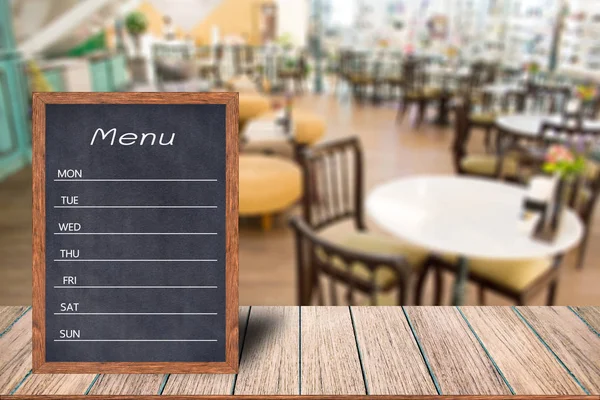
(218, 52)
(359, 63)
(587, 185)
(588, 191)
(413, 75)
(461, 132)
(571, 131)
(511, 101)
(482, 73)
(334, 275)
(345, 67)
(248, 54)
(547, 98)
(333, 183)
(237, 59)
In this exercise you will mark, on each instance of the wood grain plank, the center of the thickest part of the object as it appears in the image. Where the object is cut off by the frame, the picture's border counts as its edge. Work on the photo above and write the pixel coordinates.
(8, 315)
(353, 397)
(591, 315)
(457, 359)
(206, 384)
(122, 384)
(523, 359)
(330, 364)
(391, 358)
(570, 339)
(15, 354)
(56, 384)
(270, 360)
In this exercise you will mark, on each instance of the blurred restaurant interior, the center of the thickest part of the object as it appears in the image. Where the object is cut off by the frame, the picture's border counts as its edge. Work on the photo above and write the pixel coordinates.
(391, 151)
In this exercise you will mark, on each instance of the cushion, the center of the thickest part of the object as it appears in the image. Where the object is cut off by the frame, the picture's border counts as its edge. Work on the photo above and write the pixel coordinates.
(308, 127)
(385, 278)
(592, 170)
(252, 105)
(428, 92)
(485, 164)
(486, 118)
(267, 184)
(361, 78)
(514, 275)
(383, 245)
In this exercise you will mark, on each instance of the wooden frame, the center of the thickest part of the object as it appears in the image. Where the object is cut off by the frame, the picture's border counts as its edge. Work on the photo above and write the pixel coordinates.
(40, 365)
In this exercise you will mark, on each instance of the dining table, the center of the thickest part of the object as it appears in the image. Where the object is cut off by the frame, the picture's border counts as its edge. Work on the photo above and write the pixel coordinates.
(499, 89)
(466, 217)
(354, 353)
(528, 125)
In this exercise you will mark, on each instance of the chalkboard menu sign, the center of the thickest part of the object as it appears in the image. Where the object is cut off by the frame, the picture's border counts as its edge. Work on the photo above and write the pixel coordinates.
(135, 232)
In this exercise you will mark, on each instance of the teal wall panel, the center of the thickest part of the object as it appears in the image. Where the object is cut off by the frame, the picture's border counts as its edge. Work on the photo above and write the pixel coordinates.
(15, 122)
(101, 80)
(119, 72)
(15, 127)
(55, 78)
(7, 39)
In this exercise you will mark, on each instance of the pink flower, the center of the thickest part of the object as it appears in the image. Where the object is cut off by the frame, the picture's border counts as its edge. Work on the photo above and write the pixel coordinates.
(558, 153)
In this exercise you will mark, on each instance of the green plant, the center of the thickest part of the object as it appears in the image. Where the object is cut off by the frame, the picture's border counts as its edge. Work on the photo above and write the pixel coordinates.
(564, 162)
(532, 67)
(586, 93)
(307, 69)
(285, 41)
(289, 63)
(136, 23)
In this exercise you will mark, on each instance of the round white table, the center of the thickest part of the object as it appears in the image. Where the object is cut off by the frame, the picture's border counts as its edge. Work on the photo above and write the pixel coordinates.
(467, 217)
(448, 72)
(500, 89)
(528, 125)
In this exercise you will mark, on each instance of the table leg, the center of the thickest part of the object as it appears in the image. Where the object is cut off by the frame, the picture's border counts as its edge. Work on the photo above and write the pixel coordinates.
(442, 117)
(461, 280)
(298, 150)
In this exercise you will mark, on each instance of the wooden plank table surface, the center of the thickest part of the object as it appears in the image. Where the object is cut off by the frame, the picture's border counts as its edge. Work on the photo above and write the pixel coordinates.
(350, 352)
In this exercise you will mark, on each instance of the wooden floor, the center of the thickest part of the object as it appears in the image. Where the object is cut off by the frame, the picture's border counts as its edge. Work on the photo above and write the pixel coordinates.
(354, 351)
(267, 274)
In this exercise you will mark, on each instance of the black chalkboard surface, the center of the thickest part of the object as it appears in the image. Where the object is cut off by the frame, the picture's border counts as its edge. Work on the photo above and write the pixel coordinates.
(135, 232)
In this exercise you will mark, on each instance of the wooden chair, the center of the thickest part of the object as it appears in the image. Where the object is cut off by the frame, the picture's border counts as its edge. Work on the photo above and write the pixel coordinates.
(517, 280)
(333, 193)
(293, 74)
(522, 279)
(483, 110)
(547, 98)
(248, 61)
(393, 78)
(586, 188)
(344, 69)
(213, 71)
(324, 267)
(415, 91)
(237, 59)
(360, 78)
(482, 73)
(486, 164)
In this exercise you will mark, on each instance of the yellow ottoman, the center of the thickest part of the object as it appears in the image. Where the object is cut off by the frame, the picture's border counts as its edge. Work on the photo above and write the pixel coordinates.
(309, 128)
(268, 185)
(251, 106)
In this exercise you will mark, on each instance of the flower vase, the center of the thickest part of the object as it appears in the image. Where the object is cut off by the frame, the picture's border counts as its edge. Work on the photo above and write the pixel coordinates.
(558, 204)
